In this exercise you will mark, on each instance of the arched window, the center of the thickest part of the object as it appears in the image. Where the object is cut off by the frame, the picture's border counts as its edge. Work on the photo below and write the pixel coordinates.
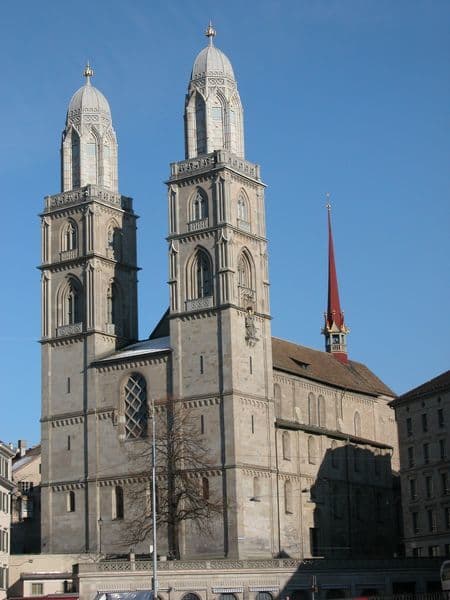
(118, 506)
(245, 280)
(288, 501)
(72, 303)
(199, 206)
(264, 596)
(200, 123)
(75, 159)
(90, 168)
(244, 271)
(113, 303)
(70, 236)
(71, 501)
(135, 407)
(312, 450)
(200, 276)
(242, 208)
(205, 488)
(357, 424)
(191, 596)
(322, 413)
(227, 596)
(312, 409)
(256, 489)
(286, 442)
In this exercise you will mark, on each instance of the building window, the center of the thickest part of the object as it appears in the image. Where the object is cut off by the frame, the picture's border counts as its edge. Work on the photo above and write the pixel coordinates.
(428, 486)
(68, 385)
(71, 501)
(242, 207)
(202, 366)
(201, 280)
(69, 444)
(417, 552)
(442, 449)
(444, 483)
(114, 241)
(312, 409)
(433, 551)
(263, 596)
(202, 424)
(71, 302)
(409, 429)
(288, 502)
(312, 452)
(245, 280)
(286, 443)
(250, 364)
(357, 424)
(440, 414)
(205, 488)
(37, 589)
(410, 456)
(424, 423)
(135, 407)
(199, 207)
(426, 453)
(415, 522)
(447, 517)
(118, 504)
(314, 541)
(431, 517)
(277, 395)
(253, 424)
(191, 596)
(322, 413)
(70, 237)
(113, 304)
(412, 489)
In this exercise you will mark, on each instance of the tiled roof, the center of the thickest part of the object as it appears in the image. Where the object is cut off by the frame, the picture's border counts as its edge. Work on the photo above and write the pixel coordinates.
(323, 367)
(438, 384)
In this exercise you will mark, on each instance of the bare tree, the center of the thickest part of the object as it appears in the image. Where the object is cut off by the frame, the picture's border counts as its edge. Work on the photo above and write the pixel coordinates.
(183, 470)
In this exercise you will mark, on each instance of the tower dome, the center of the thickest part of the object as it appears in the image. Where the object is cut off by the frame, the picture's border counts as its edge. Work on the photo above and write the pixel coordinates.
(213, 110)
(89, 145)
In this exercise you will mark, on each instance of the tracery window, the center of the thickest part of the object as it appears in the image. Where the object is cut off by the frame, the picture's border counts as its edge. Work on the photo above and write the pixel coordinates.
(70, 236)
(135, 407)
(199, 207)
(200, 276)
(75, 159)
(71, 303)
(246, 287)
(242, 208)
(114, 241)
(322, 414)
(113, 305)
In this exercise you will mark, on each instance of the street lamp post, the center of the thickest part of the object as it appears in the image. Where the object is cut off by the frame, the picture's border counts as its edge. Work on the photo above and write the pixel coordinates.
(100, 523)
(155, 554)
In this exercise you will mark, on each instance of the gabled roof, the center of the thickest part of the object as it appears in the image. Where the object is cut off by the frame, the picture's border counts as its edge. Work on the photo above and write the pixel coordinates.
(437, 385)
(150, 346)
(324, 368)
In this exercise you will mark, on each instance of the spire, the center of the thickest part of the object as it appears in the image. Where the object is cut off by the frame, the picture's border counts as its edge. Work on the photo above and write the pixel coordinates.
(88, 73)
(210, 33)
(335, 330)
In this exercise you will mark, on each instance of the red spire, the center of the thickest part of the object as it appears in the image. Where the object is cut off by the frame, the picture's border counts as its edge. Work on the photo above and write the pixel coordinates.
(335, 330)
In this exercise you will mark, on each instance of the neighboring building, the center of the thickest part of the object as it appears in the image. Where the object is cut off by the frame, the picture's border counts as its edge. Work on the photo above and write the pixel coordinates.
(26, 501)
(300, 441)
(423, 419)
(6, 488)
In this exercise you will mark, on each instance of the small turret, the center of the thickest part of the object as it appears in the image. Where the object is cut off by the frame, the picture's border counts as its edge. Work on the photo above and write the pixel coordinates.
(334, 330)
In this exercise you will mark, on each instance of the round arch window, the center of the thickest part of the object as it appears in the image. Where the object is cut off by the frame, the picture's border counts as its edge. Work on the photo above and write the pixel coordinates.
(227, 597)
(190, 596)
(264, 596)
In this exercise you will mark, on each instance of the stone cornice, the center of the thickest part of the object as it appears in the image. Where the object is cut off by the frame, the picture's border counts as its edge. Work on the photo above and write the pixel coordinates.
(189, 236)
(86, 195)
(62, 265)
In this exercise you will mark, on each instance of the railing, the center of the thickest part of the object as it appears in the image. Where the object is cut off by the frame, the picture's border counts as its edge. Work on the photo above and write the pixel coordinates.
(72, 329)
(197, 225)
(68, 254)
(216, 158)
(199, 303)
(86, 194)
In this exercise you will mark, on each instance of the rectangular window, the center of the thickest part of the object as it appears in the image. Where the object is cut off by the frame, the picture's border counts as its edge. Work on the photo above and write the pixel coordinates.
(440, 413)
(37, 589)
(444, 483)
(424, 423)
(201, 365)
(251, 365)
(415, 522)
(68, 442)
(447, 517)
(431, 520)
(68, 385)
(426, 453)
(429, 486)
(253, 424)
(418, 551)
(412, 489)
(314, 541)
(442, 449)
(202, 424)
(410, 456)
(409, 430)
(433, 551)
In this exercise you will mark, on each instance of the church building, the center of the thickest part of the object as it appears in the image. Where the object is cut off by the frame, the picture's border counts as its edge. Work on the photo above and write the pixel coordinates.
(302, 443)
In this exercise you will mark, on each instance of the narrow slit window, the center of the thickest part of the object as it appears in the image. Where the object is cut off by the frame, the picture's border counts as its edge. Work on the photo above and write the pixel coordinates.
(68, 385)
(201, 365)
(69, 442)
(251, 365)
(202, 424)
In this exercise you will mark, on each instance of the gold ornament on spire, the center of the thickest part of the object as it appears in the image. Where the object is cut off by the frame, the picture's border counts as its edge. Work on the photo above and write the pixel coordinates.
(328, 205)
(88, 73)
(210, 32)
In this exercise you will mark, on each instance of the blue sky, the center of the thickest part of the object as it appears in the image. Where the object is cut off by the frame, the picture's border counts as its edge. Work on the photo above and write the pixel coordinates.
(350, 97)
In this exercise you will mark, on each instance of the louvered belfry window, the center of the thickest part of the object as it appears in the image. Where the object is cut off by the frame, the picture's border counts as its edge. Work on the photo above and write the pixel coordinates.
(135, 407)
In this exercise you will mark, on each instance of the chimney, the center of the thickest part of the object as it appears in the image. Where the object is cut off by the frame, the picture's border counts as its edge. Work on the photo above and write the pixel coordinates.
(22, 447)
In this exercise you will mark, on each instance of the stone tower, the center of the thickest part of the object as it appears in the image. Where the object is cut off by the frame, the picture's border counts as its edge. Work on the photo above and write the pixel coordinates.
(219, 308)
(89, 305)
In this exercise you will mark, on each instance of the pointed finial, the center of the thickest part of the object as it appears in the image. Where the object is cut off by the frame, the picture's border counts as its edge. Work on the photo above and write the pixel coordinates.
(328, 205)
(210, 33)
(88, 73)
